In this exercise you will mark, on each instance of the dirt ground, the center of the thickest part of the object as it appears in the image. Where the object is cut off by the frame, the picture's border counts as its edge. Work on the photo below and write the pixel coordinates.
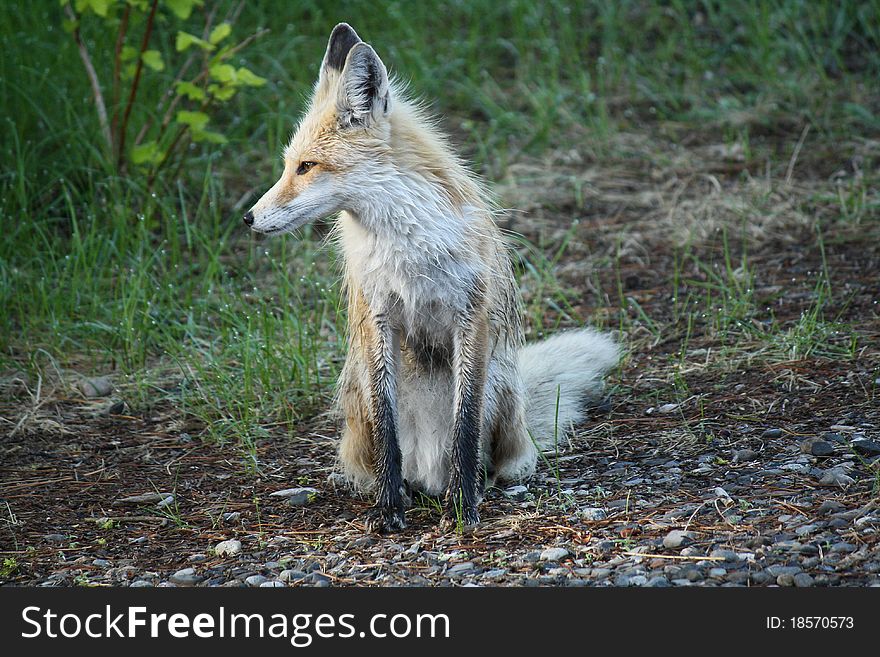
(720, 462)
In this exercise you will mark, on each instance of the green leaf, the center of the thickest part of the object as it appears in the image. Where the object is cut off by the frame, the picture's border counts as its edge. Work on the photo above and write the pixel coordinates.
(69, 26)
(222, 72)
(222, 92)
(146, 153)
(248, 78)
(195, 120)
(128, 53)
(220, 32)
(142, 5)
(182, 8)
(100, 7)
(153, 59)
(190, 90)
(185, 40)
(209, 136)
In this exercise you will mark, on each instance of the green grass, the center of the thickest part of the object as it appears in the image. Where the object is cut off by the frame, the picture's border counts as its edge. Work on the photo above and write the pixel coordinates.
(169, 291)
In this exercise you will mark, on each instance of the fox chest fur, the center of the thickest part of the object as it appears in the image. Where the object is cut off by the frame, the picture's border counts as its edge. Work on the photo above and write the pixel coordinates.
(418, 276)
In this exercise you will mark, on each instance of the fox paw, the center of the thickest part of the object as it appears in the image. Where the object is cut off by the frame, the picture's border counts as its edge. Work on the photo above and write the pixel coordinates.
(384, 519)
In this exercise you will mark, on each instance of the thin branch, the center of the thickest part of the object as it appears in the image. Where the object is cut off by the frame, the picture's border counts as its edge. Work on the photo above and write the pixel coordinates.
(136, 82)
(117, 65)
(93, 80)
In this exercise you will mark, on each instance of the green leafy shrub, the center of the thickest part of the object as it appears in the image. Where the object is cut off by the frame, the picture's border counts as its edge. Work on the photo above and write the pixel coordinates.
(199, 79)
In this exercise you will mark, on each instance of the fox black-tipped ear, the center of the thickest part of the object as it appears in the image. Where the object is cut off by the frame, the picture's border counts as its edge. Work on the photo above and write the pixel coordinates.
(364, 91)
(342, 39)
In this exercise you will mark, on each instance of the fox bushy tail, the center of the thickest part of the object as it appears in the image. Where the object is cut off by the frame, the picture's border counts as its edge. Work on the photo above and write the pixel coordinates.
(562, 376)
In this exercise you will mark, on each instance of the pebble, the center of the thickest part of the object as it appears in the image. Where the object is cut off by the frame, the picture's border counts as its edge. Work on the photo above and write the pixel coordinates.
(185, 577)
(829, 506)
(742, 455)
(272, 584)
(141, 584)
(227, 548)
(554, 554)
(101, 563)
(866, 447)
(592, 514)
(517, 493)
(320, 581)
(461, 569)
(803, 580)
(836, 477)
(677, 538)
(100, 386)
(778, 569)
(255, 580)
(772, 433)
(296, 496)
(816, 447)
(727, 555)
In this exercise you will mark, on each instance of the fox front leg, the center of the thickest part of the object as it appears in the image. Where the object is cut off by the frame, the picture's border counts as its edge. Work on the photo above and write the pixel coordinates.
(388, 513)
(465, 482)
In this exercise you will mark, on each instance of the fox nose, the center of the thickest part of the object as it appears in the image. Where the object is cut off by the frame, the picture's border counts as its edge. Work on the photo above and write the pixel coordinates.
(249, 218)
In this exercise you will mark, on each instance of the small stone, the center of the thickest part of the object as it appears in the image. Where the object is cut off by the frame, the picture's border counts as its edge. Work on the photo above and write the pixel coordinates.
(101, 563)
(785, 579)
(829, 506)
(166, 502)
(816, 447)
(232, 516)
(292, 575)
(461, 569)
(833, 437)
(592, 514)
(677, 539)
(320, 581)
(272, 584)
(727, 555)
(146, 498)
(517, 493)
(141, 584)
(297, 496)
(742, 455)
(667, 408)
(772, 433)
(836, 477)
(255, 580)
(227, 548)
(554, 554)
(55, 538)
(658, 582)
(100, 386)
(717, 573)
(866, 447)
(803, 580)
(185, 577)
(777, 569)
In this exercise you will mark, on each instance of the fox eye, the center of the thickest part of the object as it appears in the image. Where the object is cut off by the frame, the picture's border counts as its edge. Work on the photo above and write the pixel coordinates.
(304, 168)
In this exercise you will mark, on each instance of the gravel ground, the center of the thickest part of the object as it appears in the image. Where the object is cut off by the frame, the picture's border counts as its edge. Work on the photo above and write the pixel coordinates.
(638, 498)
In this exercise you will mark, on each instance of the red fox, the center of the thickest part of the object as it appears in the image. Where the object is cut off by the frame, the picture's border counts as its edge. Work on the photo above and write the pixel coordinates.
(438, 392)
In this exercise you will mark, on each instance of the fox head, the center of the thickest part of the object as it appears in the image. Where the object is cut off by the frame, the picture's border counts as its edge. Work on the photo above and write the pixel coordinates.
(339, 143)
